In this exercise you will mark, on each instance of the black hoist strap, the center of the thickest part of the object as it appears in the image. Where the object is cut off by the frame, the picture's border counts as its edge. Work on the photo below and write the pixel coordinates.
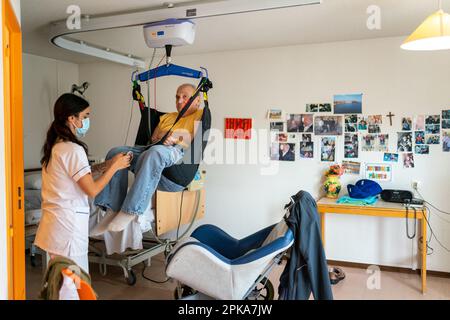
(137, 95)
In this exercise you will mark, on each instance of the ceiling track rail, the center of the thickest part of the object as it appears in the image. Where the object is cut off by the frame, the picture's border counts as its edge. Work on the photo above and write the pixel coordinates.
(59, 31)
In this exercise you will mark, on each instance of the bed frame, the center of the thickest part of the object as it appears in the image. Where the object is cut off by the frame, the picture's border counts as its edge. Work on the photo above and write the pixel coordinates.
(167, 218)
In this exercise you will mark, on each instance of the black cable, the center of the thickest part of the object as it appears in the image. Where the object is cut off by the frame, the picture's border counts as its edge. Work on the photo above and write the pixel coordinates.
(181, 210)
(415, 223)
(146, 278)
(429, 248)
(434, 235)
(444, 212)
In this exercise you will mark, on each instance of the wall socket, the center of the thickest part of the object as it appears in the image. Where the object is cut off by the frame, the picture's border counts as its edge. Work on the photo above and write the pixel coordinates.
(415, 184)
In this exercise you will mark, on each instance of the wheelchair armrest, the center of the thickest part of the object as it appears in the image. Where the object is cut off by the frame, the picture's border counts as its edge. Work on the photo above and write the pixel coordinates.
(225, 244)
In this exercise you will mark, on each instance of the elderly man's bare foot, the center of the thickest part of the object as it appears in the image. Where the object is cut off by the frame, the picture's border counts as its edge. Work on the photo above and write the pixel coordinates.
(121, 221)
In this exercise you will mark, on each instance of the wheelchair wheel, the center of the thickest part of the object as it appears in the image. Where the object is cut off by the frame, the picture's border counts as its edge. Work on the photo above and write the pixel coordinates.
(185, 292)
(263, 291)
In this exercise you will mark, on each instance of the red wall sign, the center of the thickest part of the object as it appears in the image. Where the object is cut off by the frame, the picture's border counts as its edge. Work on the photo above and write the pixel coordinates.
(238, 128)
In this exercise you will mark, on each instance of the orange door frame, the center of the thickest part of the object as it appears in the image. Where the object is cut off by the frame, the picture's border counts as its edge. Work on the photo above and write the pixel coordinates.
(12, 79)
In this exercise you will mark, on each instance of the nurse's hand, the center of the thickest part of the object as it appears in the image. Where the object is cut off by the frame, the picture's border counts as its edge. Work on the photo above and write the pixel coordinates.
(121, 161)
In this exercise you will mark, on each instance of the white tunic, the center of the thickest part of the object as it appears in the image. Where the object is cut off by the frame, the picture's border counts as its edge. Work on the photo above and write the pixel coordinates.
(64, 226)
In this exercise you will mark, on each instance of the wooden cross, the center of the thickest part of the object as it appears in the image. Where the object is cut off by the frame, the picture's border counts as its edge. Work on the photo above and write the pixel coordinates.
(390, 115)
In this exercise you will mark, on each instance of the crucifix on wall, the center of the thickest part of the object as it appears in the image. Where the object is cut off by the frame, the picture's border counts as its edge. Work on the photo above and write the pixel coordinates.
(390, 115)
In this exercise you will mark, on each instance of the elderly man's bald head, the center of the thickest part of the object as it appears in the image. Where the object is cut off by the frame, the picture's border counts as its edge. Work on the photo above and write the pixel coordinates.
(184, 92)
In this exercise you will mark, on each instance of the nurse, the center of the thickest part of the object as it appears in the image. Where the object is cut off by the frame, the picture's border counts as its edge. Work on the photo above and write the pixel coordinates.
(67, 182)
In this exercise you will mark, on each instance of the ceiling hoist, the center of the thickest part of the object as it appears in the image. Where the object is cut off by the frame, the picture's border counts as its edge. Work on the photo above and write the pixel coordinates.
(166, 34)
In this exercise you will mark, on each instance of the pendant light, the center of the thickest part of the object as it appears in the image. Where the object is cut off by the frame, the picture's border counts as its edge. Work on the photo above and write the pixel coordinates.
(432, 34)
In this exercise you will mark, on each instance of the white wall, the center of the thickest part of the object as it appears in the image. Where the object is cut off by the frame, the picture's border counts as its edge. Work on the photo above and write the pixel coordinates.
(43, 81)
(248, 83)
(3, 234)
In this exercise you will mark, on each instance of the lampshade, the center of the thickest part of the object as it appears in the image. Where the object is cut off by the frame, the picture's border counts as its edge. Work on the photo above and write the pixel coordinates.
(432, 34)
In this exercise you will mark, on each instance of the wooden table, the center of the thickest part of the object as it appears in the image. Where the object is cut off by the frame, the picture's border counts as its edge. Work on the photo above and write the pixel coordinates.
(379, 209)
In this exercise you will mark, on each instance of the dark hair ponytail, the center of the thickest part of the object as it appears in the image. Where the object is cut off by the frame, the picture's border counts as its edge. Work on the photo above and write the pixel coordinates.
(67, 105)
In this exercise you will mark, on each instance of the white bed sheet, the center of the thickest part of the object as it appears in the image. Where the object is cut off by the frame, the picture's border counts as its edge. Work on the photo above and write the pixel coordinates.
(129, 238)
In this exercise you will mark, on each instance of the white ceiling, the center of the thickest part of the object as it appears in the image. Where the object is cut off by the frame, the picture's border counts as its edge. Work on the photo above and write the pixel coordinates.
(333, 20)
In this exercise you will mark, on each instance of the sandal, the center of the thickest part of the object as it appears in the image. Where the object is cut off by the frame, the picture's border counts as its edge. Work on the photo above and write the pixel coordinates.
(336, 274)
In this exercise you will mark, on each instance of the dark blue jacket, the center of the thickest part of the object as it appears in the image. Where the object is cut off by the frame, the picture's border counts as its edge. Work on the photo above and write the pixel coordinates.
(306, 269)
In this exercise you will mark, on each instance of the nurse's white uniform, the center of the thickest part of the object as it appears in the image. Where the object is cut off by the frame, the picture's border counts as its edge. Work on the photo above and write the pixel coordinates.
(64, 226)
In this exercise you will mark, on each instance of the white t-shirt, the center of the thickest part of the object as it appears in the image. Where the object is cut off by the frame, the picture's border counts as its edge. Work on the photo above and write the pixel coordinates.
(64, 226)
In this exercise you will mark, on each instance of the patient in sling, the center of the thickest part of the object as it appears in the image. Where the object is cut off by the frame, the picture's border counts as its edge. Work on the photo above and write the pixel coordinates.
(122, 205)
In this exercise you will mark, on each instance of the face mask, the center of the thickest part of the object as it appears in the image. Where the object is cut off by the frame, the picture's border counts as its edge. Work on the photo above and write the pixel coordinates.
(81, 132)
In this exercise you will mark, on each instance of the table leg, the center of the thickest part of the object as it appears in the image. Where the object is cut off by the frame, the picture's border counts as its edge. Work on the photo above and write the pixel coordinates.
(322, 226)
(424, 252)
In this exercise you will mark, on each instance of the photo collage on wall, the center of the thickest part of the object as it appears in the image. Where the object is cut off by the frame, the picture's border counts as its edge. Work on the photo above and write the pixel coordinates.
(361, 133)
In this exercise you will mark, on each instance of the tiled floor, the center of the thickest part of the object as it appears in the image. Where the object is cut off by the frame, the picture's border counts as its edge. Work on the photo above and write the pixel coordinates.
(393, 285)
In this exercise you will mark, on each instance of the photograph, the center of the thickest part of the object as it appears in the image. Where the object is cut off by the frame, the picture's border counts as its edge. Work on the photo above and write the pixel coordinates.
(293, 123)
(419, 137)
(277, 126)
(275, 114)
(351, 127)
(378, 171)
(432, 128)
(375, 119)
(374, 128)
(307, 150)
(446, 140)
(432, 139)
(281, 137)
(375, 142)
(328, 125)
(300, 123)
(406, 124)
(408, 160)
(362, 123)
(422, 149)
(325, 107)
(351, 167)
(348, 103)
(351, 118)
(328, 149)
(445, 114)
(390, 157)
(287, 152)
(275, 151)
(445, 123)
(313, 107)
(306, 137)
(419, 123)
(404, 142)
(293, 138)
(351, 146)
(433, 119)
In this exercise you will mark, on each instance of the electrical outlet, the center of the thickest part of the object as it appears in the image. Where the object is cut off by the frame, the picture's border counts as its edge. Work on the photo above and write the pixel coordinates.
(415, 185)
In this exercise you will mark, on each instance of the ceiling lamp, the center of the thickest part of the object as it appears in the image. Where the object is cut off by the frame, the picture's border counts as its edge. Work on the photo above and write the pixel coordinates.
(432, 34)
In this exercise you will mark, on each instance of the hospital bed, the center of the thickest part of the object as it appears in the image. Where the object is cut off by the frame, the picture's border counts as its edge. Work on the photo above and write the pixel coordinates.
(149, 235)
(33, 212)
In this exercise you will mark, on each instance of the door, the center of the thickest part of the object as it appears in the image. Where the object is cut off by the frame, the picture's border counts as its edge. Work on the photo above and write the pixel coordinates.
(12, 79)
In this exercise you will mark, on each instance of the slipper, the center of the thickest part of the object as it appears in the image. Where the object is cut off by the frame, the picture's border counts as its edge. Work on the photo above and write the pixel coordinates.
(336, 274)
